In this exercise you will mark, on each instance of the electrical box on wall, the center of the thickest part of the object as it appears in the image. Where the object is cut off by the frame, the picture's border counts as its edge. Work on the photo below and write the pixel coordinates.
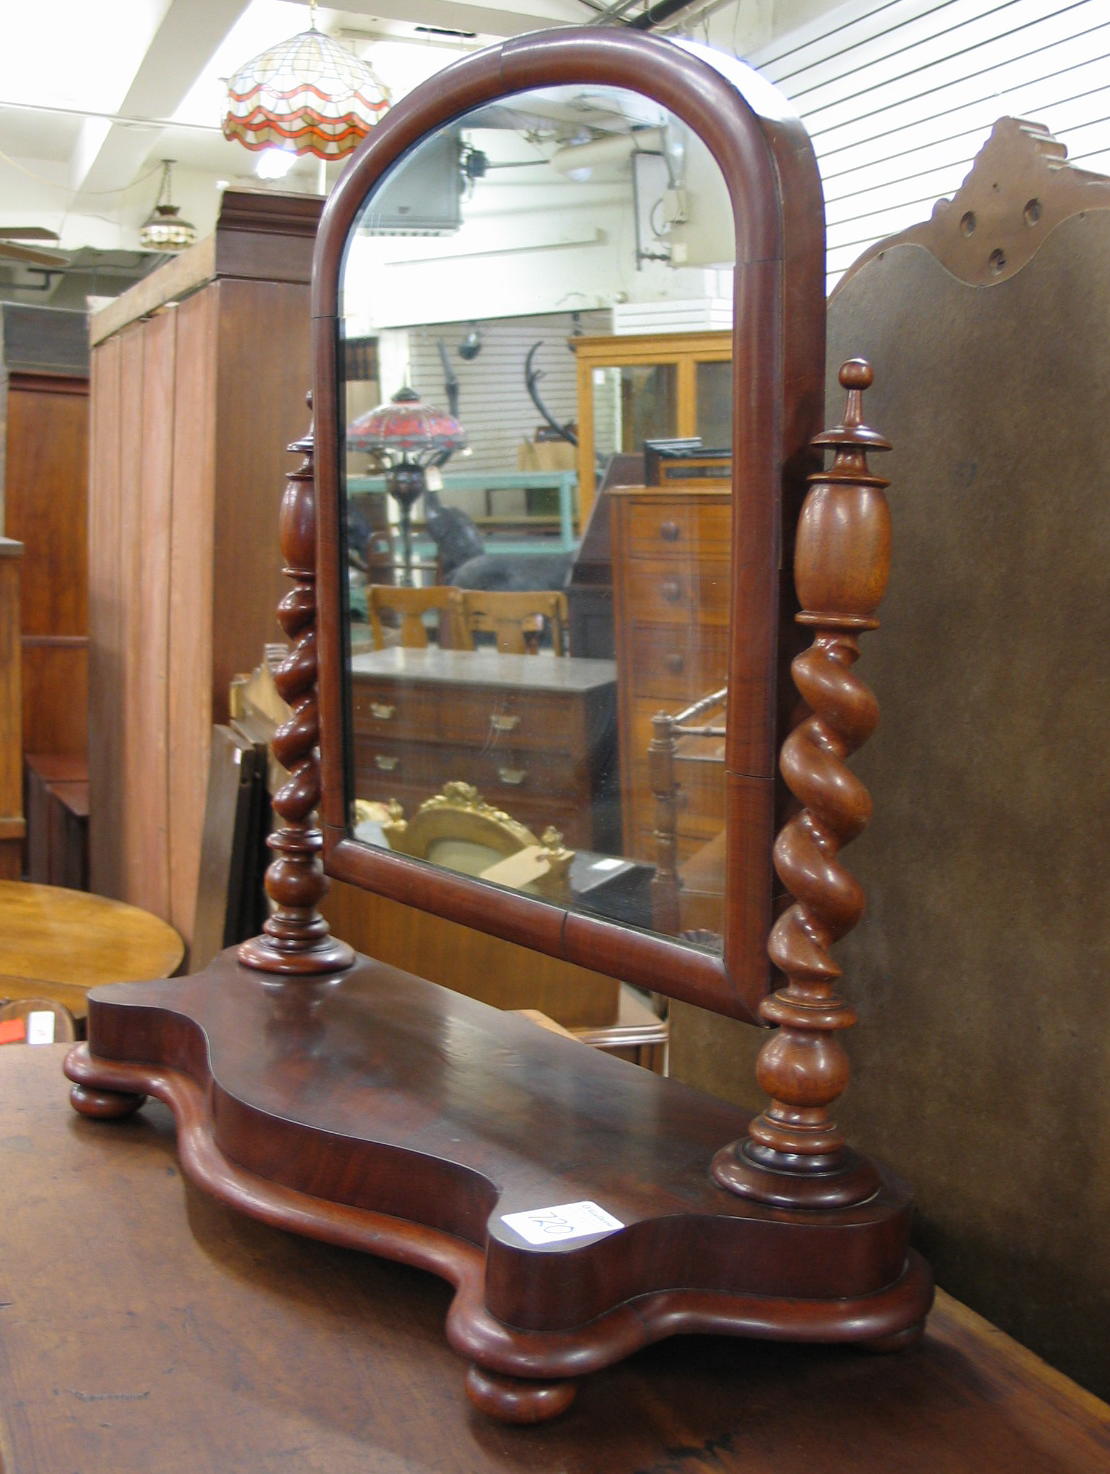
(699, 212)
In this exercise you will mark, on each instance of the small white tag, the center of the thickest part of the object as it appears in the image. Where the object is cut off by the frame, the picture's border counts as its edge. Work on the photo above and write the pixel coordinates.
(40, 1027)
(564, 1221)
(608, 864)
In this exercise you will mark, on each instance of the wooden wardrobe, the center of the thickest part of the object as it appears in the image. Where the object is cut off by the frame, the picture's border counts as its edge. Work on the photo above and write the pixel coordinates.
(198, 381)
(44, 417)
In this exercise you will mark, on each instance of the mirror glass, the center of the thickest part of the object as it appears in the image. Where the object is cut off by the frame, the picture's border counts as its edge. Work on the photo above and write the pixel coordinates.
(535, 403)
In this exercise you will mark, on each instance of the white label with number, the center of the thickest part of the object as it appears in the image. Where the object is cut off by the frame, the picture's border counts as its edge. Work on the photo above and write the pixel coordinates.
(40, 1027)
(564, 1221)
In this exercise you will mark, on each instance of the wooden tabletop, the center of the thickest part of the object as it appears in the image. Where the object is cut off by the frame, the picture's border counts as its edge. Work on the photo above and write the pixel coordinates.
(144, 1329)
(485, 668)
(57, 943)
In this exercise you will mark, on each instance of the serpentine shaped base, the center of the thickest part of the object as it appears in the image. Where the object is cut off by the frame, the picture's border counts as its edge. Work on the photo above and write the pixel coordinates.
(377, 1111)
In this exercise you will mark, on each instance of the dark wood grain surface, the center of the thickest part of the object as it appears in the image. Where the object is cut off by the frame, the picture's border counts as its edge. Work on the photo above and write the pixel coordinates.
(148, 1330)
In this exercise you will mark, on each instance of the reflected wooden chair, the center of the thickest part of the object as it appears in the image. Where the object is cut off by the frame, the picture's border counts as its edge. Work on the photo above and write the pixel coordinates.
(518, 621)
(397, 616)
(687, 893)
(458, 829)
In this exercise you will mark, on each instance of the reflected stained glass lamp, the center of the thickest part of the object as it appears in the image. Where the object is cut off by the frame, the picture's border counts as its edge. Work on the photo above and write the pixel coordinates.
(406, 436)
(307, 95)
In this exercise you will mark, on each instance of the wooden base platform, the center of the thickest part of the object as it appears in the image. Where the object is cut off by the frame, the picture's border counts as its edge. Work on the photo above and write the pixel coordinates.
(361, 1108)
(148, 1329)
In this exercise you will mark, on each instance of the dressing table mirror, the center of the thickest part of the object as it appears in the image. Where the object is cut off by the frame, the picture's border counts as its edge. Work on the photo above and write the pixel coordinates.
(581, 1207)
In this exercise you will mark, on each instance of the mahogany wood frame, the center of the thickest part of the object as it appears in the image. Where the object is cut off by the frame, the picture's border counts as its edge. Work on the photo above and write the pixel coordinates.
(341, 1098)
(778, 364)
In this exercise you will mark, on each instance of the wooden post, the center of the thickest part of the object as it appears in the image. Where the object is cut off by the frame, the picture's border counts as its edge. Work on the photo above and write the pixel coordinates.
(296, 938)
(794, 1154)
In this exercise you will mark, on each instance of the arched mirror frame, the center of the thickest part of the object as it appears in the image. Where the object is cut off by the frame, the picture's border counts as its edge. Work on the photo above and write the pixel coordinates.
(778, 371)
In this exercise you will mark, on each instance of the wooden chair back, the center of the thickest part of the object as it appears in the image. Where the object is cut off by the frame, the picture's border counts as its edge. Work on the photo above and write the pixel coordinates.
(694, 735)
(517, 620)
(408, 608)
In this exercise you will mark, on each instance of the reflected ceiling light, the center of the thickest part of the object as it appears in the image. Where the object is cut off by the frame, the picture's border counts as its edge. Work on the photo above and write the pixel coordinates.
(162, 230)
(275, 163)
(309, 95)
(579, 160)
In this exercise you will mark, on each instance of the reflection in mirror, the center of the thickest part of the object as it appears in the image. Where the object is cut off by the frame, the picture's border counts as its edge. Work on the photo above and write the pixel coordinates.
(536, 401)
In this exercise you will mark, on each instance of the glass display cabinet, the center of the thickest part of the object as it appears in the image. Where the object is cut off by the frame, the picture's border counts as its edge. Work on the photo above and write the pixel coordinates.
(638, 387)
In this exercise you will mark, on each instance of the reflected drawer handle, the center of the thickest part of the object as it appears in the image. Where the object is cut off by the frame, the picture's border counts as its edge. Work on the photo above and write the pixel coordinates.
(382, 711)
(501, 723)
(671, 590)
(384, 762)
(675, 662)
(670, 532)
(515, 776)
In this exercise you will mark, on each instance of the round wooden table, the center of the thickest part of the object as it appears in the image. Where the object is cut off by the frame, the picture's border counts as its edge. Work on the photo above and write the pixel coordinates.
(58, 944)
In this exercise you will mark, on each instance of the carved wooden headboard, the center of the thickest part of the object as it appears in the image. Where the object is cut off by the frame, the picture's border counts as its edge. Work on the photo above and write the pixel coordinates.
(982, 971)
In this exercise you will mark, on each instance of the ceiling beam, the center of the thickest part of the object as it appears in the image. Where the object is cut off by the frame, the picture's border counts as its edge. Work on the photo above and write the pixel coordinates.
(470, 15)
(109, 155)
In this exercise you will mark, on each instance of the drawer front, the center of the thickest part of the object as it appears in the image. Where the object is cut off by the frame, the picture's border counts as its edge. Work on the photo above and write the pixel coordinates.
(678, 592)
(535, 794)
(677, 663)
(500, 776)
(466, 717)
(679, 529)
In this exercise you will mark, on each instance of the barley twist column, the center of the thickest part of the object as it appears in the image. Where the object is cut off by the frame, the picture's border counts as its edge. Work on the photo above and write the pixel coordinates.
(296, 938)
(794, 1155)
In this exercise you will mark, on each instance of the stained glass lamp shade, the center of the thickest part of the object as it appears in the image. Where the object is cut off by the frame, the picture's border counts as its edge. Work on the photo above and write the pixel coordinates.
(308, 95)
(406, 436)
(163, 229)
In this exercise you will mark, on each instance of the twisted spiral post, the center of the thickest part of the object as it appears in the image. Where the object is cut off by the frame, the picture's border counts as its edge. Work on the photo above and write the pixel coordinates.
(794, 1154)
(295, 939)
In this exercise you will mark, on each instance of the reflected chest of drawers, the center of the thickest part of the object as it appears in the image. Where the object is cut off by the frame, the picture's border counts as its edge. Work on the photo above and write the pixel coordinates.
(535, 734)
(671, 592)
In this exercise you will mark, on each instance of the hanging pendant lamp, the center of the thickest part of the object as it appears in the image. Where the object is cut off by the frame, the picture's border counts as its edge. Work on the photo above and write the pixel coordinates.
(163, 230)
(307, 95)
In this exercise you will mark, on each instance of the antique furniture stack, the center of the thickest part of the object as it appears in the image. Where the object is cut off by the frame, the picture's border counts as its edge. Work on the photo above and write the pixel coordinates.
(580, 1207)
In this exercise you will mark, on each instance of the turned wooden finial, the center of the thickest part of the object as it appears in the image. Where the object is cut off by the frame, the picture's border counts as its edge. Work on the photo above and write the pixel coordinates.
(794, 1154)
(296, 938)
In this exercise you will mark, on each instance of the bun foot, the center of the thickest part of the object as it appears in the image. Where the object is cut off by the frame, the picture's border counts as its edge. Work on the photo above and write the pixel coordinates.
(517, 1399)
(104, 1105)
(897, 1341)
